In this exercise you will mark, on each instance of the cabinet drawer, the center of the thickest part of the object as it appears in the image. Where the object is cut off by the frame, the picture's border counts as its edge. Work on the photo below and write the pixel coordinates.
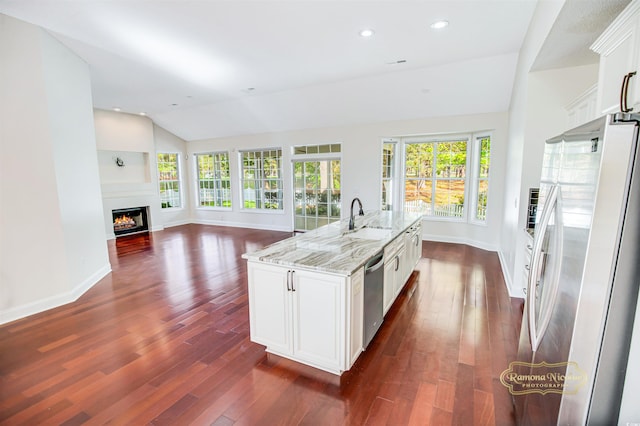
(392, 248)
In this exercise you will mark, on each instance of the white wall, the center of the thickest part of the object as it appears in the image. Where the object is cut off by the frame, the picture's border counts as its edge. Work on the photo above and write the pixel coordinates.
(539, 27)
(361, 171)
(49, 178)
(130, 137)
(537, 113)
(548, 94)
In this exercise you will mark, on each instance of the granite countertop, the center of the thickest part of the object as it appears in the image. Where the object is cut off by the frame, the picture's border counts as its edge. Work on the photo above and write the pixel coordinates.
(335, 249)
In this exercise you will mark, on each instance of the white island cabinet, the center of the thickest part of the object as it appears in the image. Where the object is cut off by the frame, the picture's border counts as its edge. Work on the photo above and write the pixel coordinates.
(301, 315)
(306, 293)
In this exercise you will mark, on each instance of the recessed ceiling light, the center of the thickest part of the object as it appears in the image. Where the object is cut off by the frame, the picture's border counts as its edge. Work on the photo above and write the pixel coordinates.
(116, 109)
(143, 113)
(366, 33)
(439, 25)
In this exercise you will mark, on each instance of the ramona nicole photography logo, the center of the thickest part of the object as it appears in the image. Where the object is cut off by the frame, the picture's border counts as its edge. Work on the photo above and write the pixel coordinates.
(526, 377)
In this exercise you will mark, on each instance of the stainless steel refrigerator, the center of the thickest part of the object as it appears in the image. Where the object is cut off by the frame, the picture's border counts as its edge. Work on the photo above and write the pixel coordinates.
(583, 281)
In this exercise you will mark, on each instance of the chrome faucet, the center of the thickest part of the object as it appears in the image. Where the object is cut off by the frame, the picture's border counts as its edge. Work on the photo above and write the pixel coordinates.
(352, 224)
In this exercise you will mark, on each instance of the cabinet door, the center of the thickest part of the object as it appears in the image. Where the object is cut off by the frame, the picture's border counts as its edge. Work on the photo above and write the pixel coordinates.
(617, 58)
(416, 249)
(269, 307)
(389, 283)
(401, 276)
(317, 322)
(356, 315)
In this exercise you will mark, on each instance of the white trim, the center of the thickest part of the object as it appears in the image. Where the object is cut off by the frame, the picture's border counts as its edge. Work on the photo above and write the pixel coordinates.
(179, 180)
(435, 140)
(262, 211)
(177, 223)
(626, 16)
(58, 300)
(481, 245)
(507, 277)
(196, 178)
(215, 208)
(474, 188)
(460, 240)
(240, 177)
(156, 228)
(266, 227)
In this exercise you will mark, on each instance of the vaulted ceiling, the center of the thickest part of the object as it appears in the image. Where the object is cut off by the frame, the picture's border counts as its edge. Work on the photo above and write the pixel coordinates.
(206, 69)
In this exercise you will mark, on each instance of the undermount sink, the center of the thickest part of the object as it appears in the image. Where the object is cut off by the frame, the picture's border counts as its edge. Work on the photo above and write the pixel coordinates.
(370, 234)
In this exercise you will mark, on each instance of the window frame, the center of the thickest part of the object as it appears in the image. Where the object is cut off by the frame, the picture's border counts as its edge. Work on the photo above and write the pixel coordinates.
(334, 155)
(475, 188)
(434, 139)
(178, 180)
(396, 164)
(241, 179)
(220, 179)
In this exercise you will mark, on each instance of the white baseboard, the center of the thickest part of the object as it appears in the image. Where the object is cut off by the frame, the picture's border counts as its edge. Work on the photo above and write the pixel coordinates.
(241, 225)
(177, 223)
(42, 305)
(459, 240)
(507, 277)
(484, 246)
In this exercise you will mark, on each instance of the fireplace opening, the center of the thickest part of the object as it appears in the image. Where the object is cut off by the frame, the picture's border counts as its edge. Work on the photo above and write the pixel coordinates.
(130, 221)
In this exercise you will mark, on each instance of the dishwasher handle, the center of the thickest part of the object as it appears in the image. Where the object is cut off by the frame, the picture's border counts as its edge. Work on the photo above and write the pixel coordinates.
(375, 263)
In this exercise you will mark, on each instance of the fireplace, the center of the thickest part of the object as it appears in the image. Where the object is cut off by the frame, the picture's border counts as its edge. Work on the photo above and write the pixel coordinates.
(129, 221)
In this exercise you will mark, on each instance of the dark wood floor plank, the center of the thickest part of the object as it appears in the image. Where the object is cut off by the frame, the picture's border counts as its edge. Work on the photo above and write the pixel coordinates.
(164, 339)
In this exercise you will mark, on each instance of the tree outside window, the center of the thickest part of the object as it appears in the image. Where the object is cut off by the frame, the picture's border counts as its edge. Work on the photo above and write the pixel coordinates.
(262, 185)
(435, 176)
(482, 180)
(214, 182)
(169, 180)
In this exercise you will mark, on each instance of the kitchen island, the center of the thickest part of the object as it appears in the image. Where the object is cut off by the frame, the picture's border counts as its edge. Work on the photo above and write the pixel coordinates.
(306, 293)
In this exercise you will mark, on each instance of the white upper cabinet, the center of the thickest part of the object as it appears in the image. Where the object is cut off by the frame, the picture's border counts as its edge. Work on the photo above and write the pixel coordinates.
(584, 108)
(619, 50)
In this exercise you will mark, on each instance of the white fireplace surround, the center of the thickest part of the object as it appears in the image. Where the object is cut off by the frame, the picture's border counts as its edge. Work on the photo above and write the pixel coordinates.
(151, 201)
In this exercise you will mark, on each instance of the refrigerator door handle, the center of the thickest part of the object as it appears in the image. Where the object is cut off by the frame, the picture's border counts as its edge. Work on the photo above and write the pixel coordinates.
(551, 291)
(536, 329)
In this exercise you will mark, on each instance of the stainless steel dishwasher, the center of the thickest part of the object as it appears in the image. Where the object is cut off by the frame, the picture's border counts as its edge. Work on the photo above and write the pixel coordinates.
(373, 288)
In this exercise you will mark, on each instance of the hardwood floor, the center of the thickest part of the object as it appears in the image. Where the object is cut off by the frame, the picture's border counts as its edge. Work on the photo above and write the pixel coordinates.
(164, 339)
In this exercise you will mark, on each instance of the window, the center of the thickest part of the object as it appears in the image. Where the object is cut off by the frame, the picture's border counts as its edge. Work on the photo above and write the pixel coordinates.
(214, 185)
(316, 185)
(261, 179)
(388, 174)
(435, 176)
(317, 193)
(317, 149)
(169, 180)
(482, 153)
